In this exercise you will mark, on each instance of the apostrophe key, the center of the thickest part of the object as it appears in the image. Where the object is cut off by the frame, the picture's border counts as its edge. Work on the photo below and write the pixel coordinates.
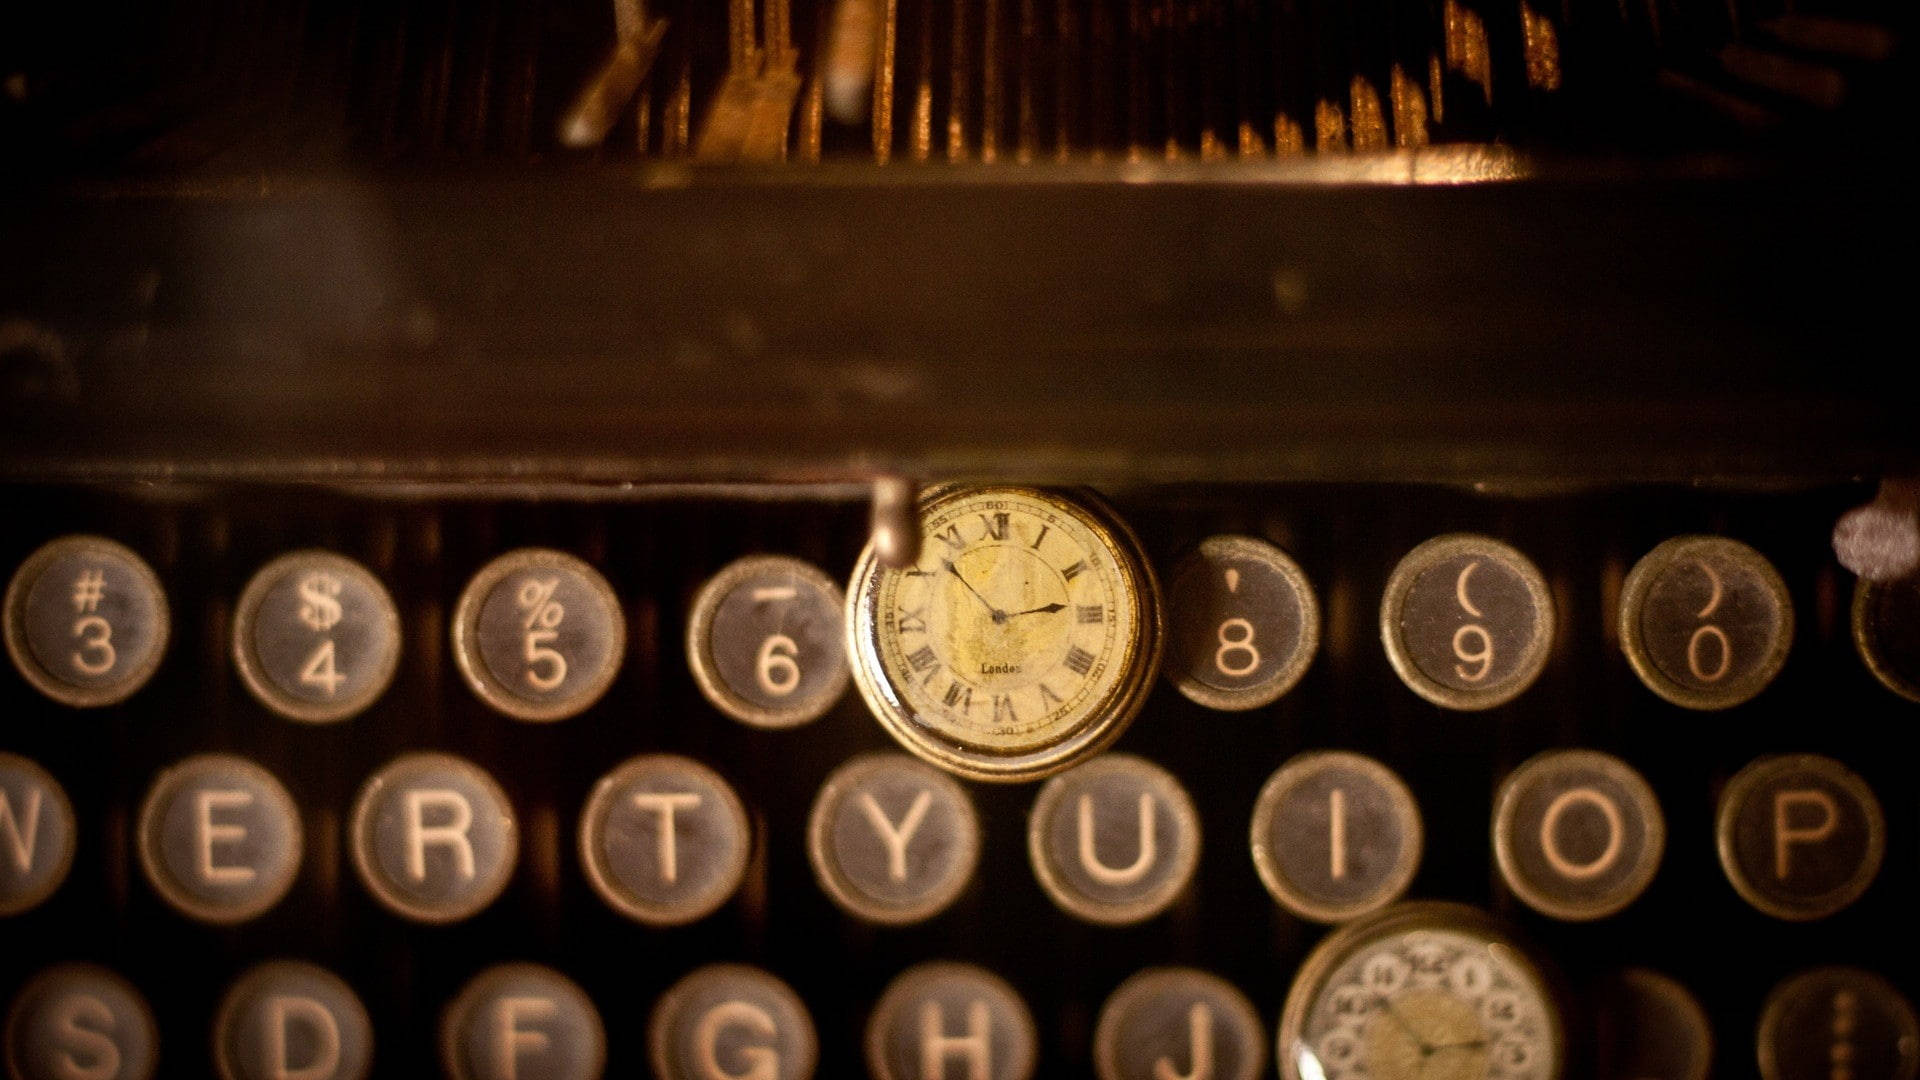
(1194, 783)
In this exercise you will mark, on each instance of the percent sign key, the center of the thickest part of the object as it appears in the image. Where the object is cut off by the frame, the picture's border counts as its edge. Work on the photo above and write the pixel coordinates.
(538, 634)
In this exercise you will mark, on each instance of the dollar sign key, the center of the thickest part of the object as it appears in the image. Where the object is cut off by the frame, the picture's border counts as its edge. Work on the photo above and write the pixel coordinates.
(318, 607)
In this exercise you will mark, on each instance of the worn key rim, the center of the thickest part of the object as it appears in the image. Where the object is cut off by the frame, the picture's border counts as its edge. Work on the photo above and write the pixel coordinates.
(253, 673)
(1645, 869)
(906, 985)
(1187, 823)
(478, 986)
(1288, 675)
(1639, 583)
(15, 602)
(36, 984)
(1866, 641)
(153, 864)
(706, 671)
(374, 880)
(1833, 901)
(28, 901)
(666, 1009)
(1772, 1015)
(226, 1013)
(1106, 1032)
(826, 869)
(592, 830)
(473, 666)
(1267, 804)
(1682, 1001)
(1534, 654)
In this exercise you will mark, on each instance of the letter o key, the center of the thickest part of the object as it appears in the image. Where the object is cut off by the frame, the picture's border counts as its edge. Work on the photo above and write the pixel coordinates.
(1578, 834)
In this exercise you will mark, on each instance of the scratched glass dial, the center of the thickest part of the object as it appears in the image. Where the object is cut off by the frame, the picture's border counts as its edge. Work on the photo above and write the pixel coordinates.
(1420, 992)
(1023, 638)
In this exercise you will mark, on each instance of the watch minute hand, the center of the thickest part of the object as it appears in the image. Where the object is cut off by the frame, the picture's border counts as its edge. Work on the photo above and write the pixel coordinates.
(998, 615)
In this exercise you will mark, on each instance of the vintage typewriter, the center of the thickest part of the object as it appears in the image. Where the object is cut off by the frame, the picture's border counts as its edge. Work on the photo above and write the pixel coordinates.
(1129, 539)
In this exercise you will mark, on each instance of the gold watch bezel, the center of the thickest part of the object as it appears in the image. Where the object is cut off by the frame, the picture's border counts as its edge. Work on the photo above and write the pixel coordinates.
(1105, 721)
(1337, 946)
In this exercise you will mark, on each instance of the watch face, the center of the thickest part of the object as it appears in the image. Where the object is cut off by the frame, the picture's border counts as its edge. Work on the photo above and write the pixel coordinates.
(1427, 992)
(1023, 636)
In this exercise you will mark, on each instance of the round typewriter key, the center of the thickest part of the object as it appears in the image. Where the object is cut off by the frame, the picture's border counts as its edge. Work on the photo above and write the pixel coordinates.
(664, 840)
(1578, 834)
(937, 1016)
(539, 634)
(728, 1020)
(1886, 629)
(288, 1020)
(1467, 621)
(77, 1020)
(1705, 621)
(1243, 623)
(1800, 836)
(1335, 835)
(892, 840)
(316, 637)
(1838, 1021)
(37, 834)
(1649, 1027)
(1115, 840)
(433, 837)
(86, 621)
(767, 641)
(522, 1022)
(1178, 1022)
(220, 838)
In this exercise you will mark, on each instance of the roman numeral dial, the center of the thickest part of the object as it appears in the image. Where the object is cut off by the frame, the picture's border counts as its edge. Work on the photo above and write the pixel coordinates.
(1025, 634)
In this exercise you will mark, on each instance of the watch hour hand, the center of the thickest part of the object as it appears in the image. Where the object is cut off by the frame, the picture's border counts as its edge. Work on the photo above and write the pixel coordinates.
(1042, 610)
(998, 615)
(1476, 1044)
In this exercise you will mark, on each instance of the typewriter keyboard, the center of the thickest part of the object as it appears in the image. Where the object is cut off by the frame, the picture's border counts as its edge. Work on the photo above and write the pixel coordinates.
(1163, 783)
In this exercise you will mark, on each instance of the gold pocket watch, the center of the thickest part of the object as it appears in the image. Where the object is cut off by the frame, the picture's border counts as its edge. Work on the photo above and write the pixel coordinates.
(1421, 991)
(1023, 639)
